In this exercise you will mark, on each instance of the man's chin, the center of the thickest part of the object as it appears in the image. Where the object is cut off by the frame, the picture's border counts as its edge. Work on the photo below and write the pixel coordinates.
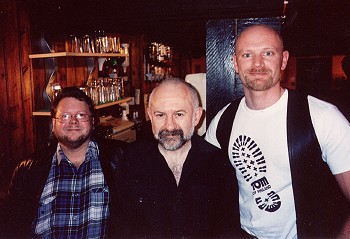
(258, 85)
(171, 144)
(171, 147)
(73, 143)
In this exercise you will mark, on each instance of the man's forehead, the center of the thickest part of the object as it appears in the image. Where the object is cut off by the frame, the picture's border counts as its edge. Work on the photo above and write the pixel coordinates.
(70, 102)
(258, 32)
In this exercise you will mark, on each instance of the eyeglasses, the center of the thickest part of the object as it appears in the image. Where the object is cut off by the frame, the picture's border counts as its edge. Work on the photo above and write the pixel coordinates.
(81, 117)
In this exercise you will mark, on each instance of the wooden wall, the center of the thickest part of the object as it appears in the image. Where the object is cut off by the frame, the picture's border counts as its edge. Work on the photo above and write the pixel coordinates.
(16, 125)
(22, 81)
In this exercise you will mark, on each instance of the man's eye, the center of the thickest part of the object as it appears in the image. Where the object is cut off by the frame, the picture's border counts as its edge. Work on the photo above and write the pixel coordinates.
(268, 53)
(65, 116)
(179, 114)
(159, 115)
(80, 116)
(246, 55)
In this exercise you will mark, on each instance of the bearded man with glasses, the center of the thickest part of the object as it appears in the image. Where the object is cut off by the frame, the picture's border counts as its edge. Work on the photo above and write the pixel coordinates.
(67, 190)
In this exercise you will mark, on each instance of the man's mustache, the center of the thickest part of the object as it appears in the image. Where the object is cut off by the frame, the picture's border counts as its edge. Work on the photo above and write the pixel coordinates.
(170, 133)
(260, 70)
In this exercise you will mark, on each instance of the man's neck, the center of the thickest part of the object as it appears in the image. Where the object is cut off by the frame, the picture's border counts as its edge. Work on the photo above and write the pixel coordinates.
(174, 155)
(176, 159)
(259, 100)
(76, 156)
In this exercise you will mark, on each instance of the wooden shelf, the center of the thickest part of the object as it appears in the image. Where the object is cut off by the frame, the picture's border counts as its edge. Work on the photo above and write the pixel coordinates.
(117, 102)
(46, 112)
(42, 113)
(73, 54)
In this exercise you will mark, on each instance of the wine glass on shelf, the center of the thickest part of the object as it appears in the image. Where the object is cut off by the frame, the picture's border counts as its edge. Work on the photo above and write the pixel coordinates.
(126, 63)
(101, 61)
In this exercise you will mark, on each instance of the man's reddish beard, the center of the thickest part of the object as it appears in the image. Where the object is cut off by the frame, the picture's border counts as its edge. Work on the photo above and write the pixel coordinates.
(73, 144)
(254, 82)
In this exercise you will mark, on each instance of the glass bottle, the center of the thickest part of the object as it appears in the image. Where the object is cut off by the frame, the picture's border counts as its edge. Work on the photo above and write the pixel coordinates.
(56, 89)
(94, 92)
(101, 92)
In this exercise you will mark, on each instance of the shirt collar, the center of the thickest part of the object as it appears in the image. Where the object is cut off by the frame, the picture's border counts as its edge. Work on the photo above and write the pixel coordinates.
(92, 153)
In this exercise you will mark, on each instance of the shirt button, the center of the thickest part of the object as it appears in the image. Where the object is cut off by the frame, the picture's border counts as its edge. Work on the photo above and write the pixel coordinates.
(140, 200)
(75, 217)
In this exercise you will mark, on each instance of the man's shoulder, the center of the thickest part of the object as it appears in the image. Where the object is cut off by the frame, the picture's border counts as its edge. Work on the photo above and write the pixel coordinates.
(319, 103)
(141, 148)
(313, 101)
(111, 153)
(323, 110)
(111, 146)
(26, 164)
(200, 144)
(39, 158)
(33, 168)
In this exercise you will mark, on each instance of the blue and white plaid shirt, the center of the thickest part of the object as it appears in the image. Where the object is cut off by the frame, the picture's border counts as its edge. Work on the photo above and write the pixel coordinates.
(74, 202)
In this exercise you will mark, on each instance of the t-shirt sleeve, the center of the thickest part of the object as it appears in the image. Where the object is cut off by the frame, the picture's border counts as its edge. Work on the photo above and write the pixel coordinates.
(210, 134)
(333, 133)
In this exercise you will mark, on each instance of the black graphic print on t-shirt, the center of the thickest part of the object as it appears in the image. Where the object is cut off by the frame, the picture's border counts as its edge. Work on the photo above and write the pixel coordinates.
(250, 162)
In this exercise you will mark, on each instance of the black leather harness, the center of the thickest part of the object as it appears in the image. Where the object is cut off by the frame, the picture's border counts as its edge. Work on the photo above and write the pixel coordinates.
(321, 207)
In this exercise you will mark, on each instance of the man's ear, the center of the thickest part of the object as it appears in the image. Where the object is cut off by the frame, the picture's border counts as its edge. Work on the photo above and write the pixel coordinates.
(198, 115)
(235, 63)
(53, 121)
(149, 113)
(285, 57)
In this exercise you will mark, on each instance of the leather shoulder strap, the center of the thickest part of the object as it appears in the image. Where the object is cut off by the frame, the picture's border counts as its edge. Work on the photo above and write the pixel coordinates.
(224, 128)
(299, 126)
(319, 203)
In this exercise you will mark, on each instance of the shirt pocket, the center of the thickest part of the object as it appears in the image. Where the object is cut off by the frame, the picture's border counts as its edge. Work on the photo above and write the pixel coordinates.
(100, 199)
(45, 211)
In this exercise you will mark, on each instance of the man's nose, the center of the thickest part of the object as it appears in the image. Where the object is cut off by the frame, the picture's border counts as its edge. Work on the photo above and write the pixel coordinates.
(258, 61)
(170, 124)
(73, 119)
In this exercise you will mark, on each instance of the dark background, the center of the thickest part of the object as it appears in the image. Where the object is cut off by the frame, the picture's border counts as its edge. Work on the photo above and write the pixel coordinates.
(311, 27)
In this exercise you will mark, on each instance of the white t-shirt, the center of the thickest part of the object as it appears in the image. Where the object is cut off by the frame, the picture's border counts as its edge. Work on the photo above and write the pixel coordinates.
(258, 150)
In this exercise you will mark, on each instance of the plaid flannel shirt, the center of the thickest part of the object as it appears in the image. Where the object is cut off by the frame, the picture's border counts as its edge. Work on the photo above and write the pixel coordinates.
(74, 202)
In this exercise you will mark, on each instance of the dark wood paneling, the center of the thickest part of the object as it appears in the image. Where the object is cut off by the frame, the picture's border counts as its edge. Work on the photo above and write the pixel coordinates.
(137, 63)
(5, 132)
(223, 85)
(13, 69)
(15, 108)
(25, 49)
